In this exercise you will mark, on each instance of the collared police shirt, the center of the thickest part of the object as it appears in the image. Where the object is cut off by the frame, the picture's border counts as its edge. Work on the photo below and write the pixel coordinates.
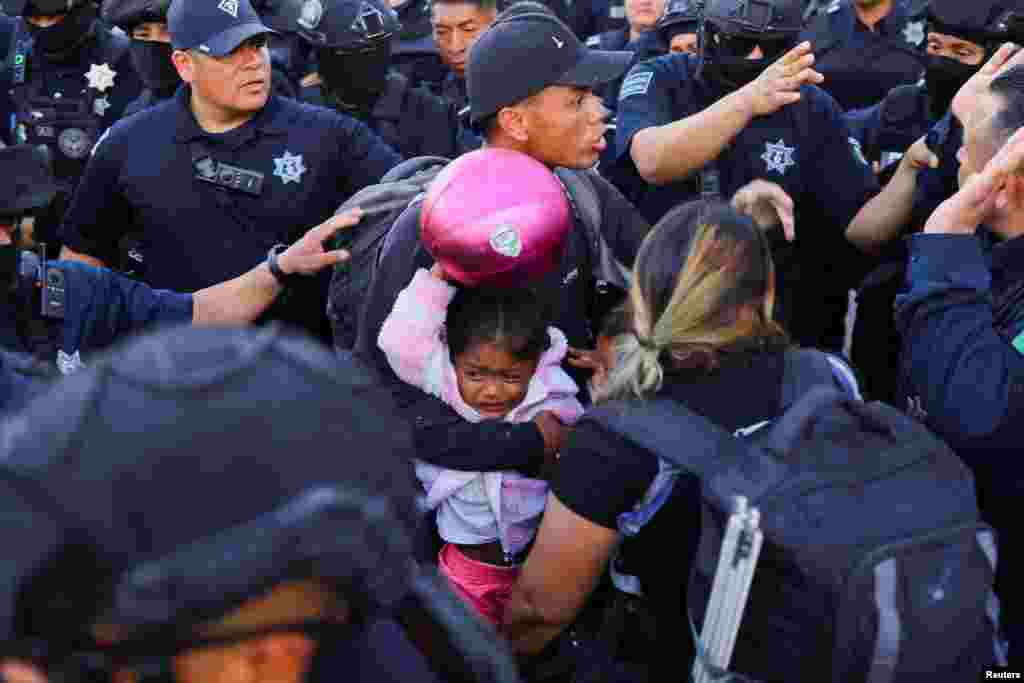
(141, 179)
(861, 65)
(804, 147)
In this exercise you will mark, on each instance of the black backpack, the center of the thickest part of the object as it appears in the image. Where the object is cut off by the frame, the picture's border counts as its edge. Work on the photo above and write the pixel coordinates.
(384, 202)
(875, 564)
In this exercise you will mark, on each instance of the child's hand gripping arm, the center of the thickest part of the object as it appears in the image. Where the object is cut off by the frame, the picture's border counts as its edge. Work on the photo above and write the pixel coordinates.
(410, 336)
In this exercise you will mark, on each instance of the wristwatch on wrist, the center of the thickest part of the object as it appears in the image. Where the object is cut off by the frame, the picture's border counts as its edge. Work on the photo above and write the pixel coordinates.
(284, 279)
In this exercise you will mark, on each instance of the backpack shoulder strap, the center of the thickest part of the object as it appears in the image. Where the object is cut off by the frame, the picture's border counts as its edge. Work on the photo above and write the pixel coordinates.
(807, 368)
(670, 430)
(587, 206)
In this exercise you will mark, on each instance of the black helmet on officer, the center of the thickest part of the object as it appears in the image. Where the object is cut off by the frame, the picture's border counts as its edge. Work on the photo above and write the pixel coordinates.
(680, 24)
(58, 27)
(962, 35)
(145, 22)
(741, 38)
(166, 514)
(353, 40)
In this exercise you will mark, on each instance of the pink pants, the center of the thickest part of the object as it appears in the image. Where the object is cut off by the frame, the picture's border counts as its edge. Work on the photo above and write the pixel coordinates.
(485, 587)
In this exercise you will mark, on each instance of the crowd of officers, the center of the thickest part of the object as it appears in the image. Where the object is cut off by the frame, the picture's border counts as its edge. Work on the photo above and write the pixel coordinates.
(833, 121)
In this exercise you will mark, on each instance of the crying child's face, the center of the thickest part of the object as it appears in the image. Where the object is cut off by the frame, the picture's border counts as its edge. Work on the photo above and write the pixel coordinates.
(491, 380)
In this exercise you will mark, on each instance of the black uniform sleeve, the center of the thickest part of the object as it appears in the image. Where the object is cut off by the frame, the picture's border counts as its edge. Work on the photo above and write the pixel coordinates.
(99, 214)
(366, 157)
(600, 475)
(442, 437)
(838, 163)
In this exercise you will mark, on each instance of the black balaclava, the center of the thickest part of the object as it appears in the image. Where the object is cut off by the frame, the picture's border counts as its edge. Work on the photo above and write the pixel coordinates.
(943, 78)
(61, 41)
(152, 61)
(355, 80)
(730, 70)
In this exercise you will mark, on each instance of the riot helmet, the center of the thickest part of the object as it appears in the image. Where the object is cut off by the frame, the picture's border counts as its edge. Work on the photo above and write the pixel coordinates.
(353, 40)
(114, 500)
(732, 29)
(59, 41)
(681, 17)
(151, 55)
(40, 8)
(986, 23)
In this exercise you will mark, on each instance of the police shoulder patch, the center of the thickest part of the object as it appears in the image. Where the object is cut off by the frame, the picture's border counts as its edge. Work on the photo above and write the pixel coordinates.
(858, 151)
(637, 83)
(1018, 342)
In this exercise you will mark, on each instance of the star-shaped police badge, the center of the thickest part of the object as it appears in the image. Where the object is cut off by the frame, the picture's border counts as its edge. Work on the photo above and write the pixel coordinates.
(101, 105)
(913, 32)
(68, 364)
(100, 77)
(778, 156)
(289, 167)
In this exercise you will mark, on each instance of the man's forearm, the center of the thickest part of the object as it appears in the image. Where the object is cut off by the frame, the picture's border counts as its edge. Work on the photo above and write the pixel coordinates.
(664, 154)
(882, 219)
(236, 301)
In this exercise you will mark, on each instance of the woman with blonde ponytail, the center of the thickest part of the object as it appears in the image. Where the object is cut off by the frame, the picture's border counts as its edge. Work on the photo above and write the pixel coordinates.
(702, 299)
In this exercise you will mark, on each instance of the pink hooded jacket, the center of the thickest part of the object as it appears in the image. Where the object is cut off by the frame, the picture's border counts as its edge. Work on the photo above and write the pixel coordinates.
(473, 507)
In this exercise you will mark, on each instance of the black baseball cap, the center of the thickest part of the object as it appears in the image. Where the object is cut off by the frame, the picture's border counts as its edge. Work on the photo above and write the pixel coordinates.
(214, 27)
(523, 53)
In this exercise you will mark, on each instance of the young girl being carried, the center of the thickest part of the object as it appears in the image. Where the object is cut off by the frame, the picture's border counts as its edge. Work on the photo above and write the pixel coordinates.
(489, 354)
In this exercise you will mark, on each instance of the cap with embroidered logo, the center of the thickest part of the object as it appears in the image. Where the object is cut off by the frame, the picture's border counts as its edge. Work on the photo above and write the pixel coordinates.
(521, 54)
(214, 27)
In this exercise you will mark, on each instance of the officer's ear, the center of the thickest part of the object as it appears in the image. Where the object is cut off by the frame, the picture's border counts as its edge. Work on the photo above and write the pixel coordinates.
(185, 63)
(513, 122)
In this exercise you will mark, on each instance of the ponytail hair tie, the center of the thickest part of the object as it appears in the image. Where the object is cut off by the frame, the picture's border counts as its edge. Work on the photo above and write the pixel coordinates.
(647, 343)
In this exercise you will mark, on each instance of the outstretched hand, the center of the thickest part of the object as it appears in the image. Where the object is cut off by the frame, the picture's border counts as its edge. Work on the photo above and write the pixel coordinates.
(307, 256)
(780, 83)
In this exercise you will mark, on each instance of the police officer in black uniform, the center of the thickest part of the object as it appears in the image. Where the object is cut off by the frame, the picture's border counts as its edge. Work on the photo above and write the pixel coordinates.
(641, 18)
(413, 52)
(54, 311)
(865, 48)
(962, 38)
(208, 181)
(68, 78)
(678, 27)
(146, 571)
(145, 22)
(748, 109)
(353, 42)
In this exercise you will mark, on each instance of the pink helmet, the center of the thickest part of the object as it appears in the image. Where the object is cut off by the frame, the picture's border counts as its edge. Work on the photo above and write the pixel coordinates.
(495, 217)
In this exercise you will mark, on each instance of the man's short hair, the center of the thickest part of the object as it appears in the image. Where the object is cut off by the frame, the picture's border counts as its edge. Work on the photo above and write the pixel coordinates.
(1009, 86)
